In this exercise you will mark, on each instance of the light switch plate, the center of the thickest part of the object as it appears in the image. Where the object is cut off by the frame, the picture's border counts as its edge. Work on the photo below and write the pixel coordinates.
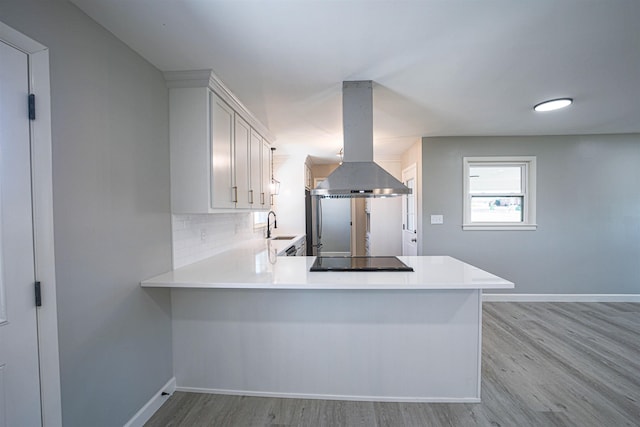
(437, 219)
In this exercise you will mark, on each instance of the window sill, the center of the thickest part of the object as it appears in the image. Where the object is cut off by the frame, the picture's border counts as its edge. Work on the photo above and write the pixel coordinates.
(500, 227)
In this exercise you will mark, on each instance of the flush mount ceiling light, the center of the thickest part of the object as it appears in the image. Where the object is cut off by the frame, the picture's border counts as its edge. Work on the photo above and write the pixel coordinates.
(553, 104)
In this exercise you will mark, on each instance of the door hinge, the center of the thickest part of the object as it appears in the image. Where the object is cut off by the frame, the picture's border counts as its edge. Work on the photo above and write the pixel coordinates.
(38, 295)
(32, 106)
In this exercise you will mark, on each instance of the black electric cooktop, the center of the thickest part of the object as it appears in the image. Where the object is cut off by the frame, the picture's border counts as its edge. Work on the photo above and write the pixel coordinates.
(359, 263)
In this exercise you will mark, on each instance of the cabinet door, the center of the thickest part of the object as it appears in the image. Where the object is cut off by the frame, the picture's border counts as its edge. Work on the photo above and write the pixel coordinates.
(222, 141)
(241, 163)
(265, 195)
(255, 170)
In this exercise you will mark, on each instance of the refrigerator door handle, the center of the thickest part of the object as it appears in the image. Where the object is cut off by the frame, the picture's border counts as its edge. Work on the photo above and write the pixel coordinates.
(319, 219)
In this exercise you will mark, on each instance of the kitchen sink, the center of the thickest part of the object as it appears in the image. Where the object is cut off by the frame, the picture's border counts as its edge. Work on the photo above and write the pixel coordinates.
(283, 237)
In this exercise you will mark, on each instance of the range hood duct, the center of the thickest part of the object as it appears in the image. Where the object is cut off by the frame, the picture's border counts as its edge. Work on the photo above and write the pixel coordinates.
(358, 175)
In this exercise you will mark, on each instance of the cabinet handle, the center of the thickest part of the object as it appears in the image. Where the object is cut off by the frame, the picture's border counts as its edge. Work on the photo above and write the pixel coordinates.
(262, 198)
(235, 194)
(251, 197)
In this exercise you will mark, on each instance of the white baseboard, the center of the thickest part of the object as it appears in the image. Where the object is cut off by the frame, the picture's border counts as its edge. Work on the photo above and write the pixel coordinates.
(561, 297)
(330, 396)
(150, 408)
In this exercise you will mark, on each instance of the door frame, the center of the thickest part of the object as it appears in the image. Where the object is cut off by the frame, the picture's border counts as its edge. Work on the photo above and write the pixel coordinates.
(42, 199)
(413, 167)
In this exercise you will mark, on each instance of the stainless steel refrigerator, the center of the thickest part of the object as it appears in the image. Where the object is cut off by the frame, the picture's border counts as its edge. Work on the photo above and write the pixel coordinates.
(313, 221)
(328, 225)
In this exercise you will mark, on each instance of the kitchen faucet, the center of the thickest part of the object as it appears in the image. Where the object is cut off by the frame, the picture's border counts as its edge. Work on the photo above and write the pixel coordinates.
(275, 223)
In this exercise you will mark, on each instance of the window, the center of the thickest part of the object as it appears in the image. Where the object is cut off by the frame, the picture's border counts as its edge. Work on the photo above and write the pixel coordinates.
(260, 219)
(499, 193)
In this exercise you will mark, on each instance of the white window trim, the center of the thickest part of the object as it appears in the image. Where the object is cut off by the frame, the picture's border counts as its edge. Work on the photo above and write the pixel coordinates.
(529, 186)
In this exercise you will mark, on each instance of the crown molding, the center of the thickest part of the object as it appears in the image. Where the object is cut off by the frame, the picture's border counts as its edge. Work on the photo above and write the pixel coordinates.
(207, 78)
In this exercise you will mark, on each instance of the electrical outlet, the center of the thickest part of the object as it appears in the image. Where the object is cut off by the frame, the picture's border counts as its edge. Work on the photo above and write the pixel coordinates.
(203, 235)
(437, 219)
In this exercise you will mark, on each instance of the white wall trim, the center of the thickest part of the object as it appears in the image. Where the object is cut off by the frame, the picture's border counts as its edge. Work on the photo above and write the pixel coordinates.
(19, 40)
(330, 396)
(528, 192)
(561, 297)
(42, 196)
(479, 349)
(146, 412)
(488, 227)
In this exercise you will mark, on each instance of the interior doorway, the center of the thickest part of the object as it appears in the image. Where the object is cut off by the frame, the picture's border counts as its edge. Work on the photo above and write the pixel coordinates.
(19, 369)
(29, 360)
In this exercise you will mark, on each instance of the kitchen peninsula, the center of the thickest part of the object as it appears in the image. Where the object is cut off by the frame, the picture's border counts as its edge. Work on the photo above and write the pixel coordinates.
(249, 322)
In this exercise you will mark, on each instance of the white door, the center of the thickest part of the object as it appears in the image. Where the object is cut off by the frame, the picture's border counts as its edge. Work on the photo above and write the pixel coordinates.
(409, 223)
(19, 370)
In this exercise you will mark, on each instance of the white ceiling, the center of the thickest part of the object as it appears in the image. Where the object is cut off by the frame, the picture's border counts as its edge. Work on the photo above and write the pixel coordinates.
(440, 67)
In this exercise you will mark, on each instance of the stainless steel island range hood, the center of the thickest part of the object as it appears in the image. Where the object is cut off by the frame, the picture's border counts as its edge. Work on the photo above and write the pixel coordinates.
(359, 176)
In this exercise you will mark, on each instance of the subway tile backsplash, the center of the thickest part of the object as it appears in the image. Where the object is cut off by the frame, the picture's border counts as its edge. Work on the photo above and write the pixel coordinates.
(196, 237)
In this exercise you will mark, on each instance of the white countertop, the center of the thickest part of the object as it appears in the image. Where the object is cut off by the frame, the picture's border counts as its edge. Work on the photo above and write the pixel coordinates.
(255, 265)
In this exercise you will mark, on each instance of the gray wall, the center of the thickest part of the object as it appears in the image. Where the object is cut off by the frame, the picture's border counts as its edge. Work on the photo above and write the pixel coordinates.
(111, 213)
(588, 213)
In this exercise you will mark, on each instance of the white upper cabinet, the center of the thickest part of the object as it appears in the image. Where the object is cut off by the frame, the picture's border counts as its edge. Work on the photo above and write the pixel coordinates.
(222, 155)
(242, 188)
(265, 194)
(255, 170)
(189, 149)
(216, 146)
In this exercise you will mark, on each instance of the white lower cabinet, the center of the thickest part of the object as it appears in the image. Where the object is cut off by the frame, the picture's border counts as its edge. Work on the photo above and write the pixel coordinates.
(217, 157)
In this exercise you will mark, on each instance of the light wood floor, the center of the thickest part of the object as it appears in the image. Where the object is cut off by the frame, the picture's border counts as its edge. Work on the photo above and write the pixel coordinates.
(543, 364)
